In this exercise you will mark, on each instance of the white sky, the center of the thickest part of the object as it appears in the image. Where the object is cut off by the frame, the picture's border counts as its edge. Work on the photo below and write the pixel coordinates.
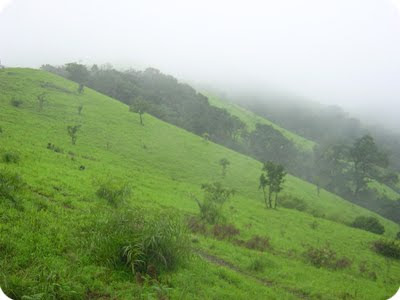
(345, 52)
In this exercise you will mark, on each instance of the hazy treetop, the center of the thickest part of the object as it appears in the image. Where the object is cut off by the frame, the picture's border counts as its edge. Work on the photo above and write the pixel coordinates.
(335, 51)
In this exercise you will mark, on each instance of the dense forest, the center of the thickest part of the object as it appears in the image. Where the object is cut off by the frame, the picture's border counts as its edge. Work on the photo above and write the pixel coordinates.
(348, 156)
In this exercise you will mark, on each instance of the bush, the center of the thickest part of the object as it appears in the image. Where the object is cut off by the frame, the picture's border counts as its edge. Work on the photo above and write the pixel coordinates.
(326, 257)
(371, 224)
(294, 203)
(255, 243)
(16, 102)
(398, 236)
(53, 147)
(388, 248)
(10, 157)
(114, 191)
(215, 195)
(10, 184)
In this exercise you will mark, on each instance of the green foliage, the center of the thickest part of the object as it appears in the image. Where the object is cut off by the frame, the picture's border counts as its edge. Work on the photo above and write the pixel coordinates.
(10, 185)
(273, 178)
(371, 224)
(72, 132)
(54, 148)
(80, 108)
(294, 203)
(215, 195)
(16, 102)
(224, 231)
(365, 157)
(81, 87)
(139, 106)
(389, 248)
(114, 191)
(77, 72)
(398, 235)
(158, 242)
(10, 157)
(224, 163)
(257, 265)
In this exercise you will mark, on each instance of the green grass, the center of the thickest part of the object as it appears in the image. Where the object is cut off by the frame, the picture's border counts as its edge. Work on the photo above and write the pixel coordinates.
(47, 246)
(251, 119)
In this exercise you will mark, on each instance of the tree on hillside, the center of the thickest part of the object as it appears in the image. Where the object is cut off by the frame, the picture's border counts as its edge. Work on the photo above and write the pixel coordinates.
(77, 73)
(139, 106)
(81, 87)
(273, 178)
(366, 160)
(224, 163)
(72, 132)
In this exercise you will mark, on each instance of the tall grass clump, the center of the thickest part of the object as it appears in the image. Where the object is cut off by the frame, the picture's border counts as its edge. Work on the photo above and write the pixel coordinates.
(147, 242)
(114, 191)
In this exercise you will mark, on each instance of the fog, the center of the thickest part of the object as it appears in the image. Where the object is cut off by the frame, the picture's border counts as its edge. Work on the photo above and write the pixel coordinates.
(344, 52)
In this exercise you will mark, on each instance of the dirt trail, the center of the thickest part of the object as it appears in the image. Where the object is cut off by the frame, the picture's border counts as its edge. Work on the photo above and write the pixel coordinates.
(221, 262)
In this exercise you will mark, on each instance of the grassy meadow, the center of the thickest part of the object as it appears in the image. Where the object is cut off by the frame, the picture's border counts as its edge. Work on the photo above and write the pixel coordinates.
(52, 242)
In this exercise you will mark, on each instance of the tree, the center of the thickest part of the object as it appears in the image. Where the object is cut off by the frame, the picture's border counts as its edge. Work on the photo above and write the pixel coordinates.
(80, 107)
(273, 178)
(41, 100)
(224, 163)
(81, 87)
(365, 158)
(77, 72)
(72, 132)
(139, 105)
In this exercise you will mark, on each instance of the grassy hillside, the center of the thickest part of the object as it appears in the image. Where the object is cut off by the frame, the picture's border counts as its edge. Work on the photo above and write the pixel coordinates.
(251, 119)
(46, 247)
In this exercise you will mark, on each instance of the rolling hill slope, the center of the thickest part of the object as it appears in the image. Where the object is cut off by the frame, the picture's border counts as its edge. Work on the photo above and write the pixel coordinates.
(44, 248)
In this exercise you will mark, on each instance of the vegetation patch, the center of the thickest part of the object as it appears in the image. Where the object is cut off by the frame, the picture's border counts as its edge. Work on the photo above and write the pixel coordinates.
(114, 191)
(16, 102)
(10, 157)
(255, 243)
(326, 257)
(224, 231)
(294, 203)
(388, 248)
(10, 185)
(371, 224)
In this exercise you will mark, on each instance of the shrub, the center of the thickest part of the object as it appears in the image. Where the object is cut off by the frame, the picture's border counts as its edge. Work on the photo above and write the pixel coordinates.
(10, 184)
(294, 203)
(258, 243)
(388, 248)
(53, 147)
(10, 157)
(371, 224)
(224, 231)
(114, 191)
(398, 236)
(326, 257)
(16, 102)
(215, 195)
